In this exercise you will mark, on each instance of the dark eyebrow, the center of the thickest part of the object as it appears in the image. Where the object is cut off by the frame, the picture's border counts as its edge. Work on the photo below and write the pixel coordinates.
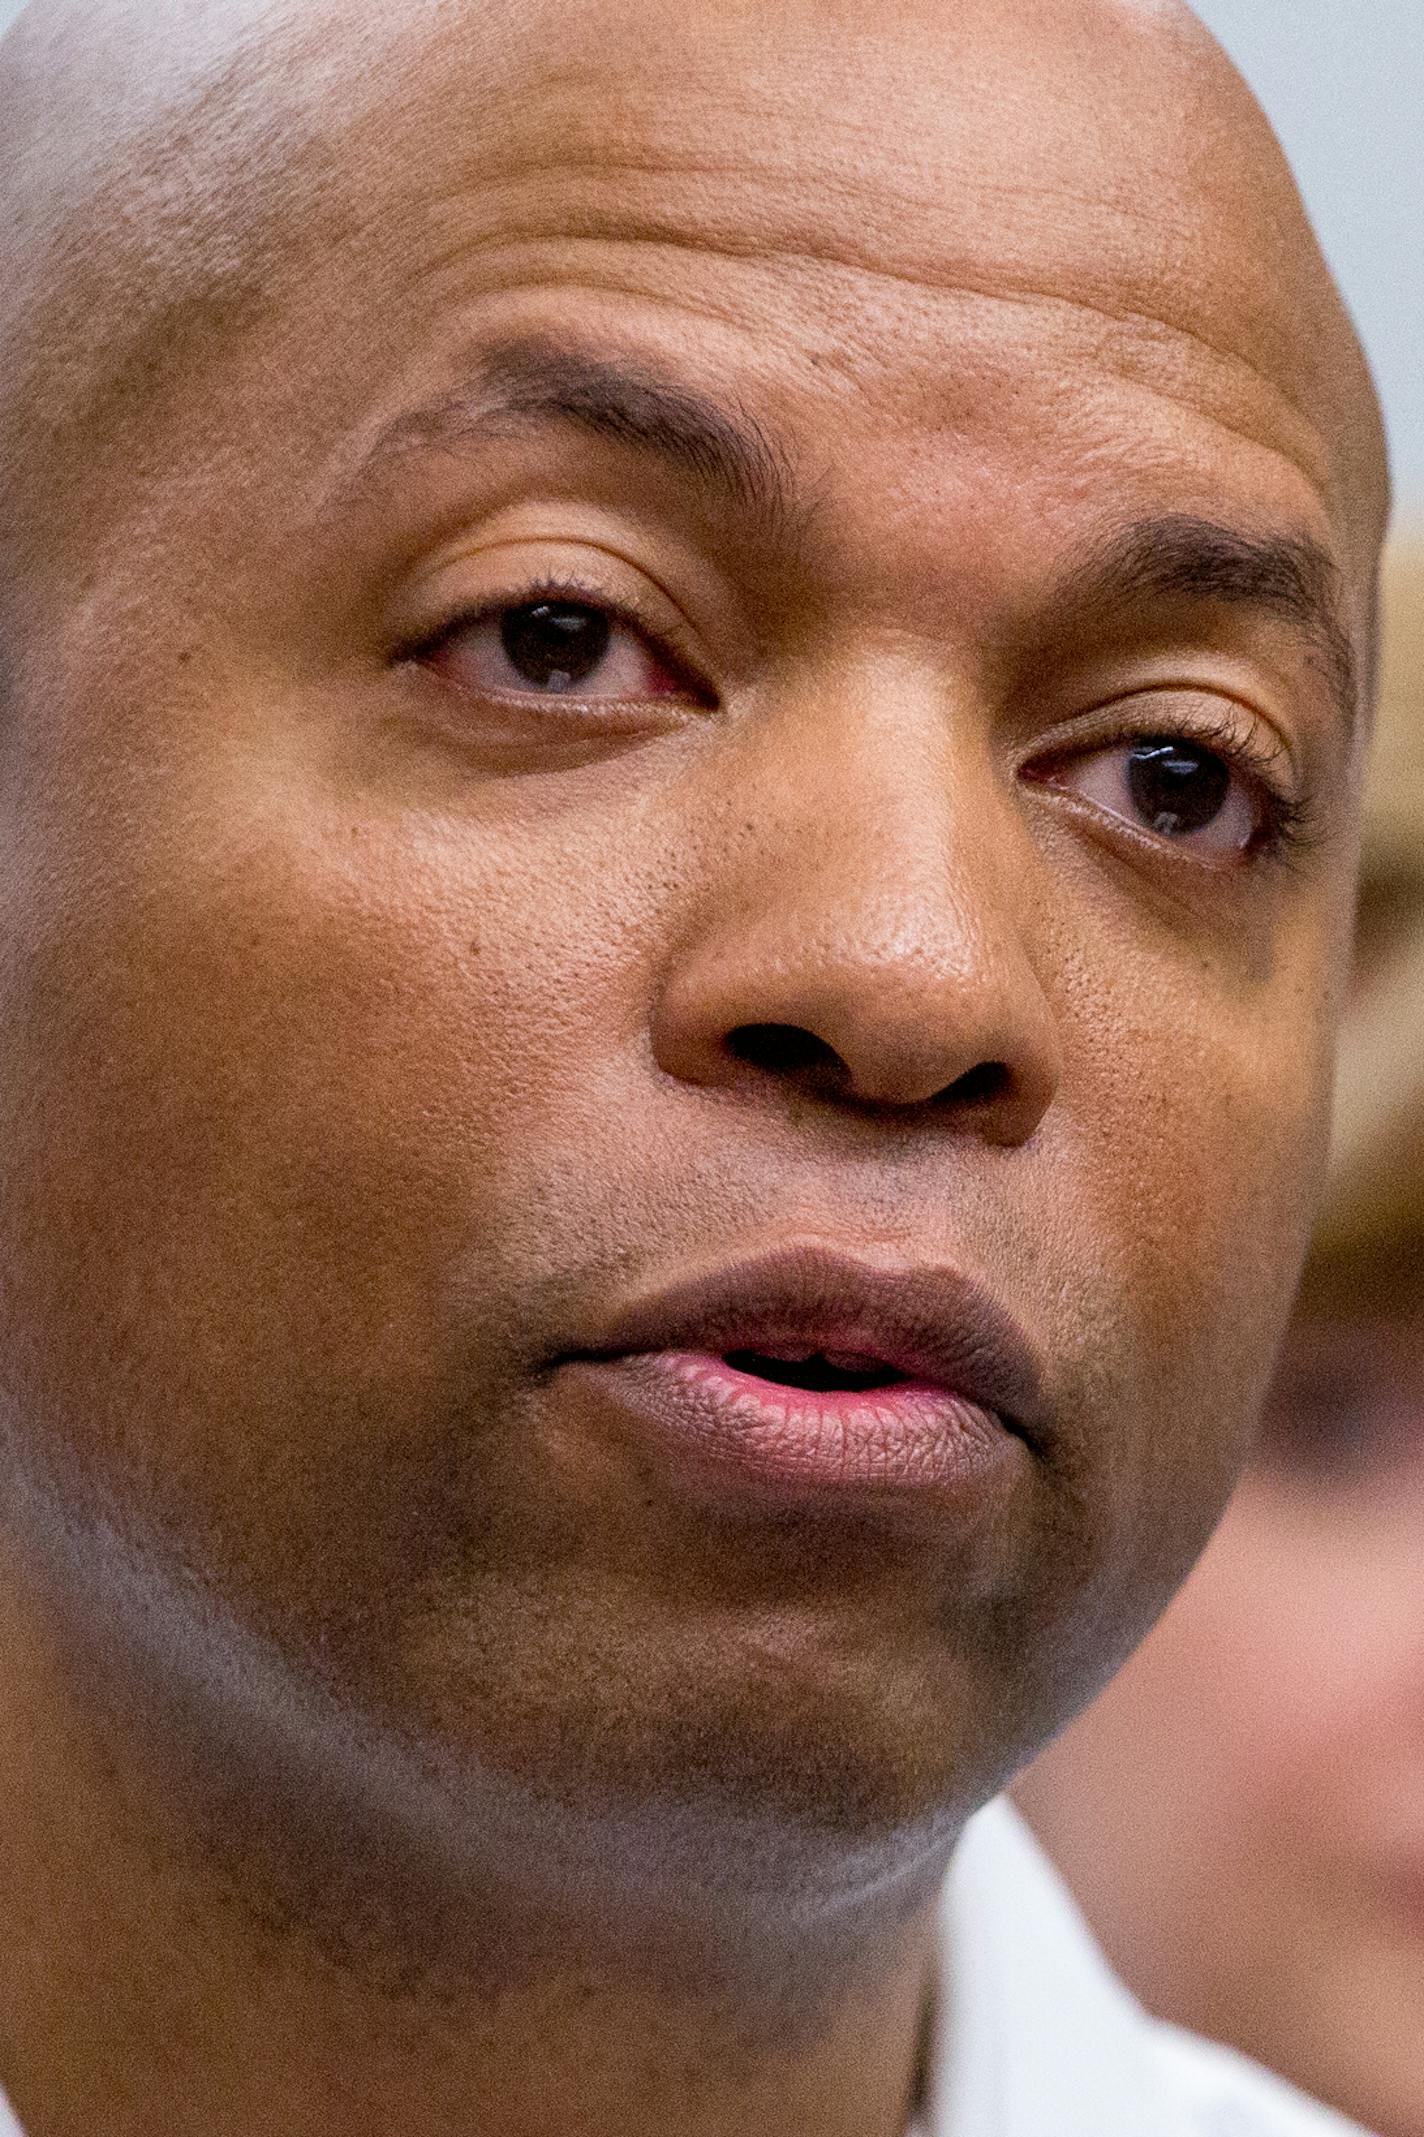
(1180, 558)
(531, 382)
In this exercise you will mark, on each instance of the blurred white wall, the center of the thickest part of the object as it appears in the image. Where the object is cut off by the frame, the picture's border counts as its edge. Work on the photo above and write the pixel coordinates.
(1344, 82)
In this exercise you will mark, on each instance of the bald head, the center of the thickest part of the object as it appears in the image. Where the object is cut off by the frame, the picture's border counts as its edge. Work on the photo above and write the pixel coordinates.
(174, 174)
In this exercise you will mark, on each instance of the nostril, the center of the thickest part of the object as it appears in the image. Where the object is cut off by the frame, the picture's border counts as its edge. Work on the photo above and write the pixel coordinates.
(981, 1086)
(786, 1050)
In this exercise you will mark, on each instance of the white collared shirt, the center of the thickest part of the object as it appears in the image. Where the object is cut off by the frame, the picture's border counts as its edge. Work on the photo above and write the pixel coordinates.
(1039, 2039)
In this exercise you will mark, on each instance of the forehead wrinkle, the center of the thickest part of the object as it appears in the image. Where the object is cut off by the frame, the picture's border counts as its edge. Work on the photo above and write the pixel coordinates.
(1305, 448)
(571, 214)
(329, 222)
(619, 224)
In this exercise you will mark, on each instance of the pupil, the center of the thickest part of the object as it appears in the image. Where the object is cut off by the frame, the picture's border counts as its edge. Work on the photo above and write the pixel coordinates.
(1178, 787)
(555, 644)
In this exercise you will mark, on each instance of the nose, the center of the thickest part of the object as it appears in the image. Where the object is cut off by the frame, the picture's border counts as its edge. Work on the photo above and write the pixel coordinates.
(865, 931)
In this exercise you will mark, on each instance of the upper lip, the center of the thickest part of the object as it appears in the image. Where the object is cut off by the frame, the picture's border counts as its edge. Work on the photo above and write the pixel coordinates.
(932, 1323)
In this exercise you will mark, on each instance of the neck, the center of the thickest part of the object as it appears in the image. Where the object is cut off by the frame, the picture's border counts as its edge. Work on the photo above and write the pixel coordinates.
(156, 1982)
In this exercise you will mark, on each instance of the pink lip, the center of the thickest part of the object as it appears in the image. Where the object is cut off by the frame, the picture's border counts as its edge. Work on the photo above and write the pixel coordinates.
(969, 1403)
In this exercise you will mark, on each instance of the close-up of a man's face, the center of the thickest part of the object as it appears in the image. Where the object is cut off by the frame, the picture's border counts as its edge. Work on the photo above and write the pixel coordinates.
(683, 698)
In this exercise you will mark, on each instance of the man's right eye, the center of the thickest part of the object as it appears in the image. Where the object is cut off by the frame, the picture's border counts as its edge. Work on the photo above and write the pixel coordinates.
(553, 648)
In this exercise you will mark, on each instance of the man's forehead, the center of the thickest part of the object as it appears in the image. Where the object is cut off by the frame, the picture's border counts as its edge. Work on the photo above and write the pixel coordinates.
(920, 144)
(927, 105)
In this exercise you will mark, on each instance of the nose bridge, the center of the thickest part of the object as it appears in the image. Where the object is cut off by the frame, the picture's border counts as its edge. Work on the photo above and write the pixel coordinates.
(870, 894)
(889, 841)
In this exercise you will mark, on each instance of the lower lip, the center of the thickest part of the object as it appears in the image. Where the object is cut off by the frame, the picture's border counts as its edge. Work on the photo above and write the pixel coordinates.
(911, 1438)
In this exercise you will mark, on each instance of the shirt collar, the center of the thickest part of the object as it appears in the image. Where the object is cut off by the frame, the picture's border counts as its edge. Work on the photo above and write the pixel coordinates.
(1035, 2032)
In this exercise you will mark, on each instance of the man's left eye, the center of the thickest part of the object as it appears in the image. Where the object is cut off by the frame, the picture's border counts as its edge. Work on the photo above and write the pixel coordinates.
(553, 649)
(1174, 788)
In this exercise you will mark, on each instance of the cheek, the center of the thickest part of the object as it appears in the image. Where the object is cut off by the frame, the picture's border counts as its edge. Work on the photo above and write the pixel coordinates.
(1219, 1784)
(269, 1086)
(1170, 1790)
(1202, 1108)
(1192, 1135)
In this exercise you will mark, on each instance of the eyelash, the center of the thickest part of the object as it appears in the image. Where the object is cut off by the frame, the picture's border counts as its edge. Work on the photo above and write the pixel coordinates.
(1289, 829)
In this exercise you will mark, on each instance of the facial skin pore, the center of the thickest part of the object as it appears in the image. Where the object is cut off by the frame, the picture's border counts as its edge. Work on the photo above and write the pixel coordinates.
(939, 402)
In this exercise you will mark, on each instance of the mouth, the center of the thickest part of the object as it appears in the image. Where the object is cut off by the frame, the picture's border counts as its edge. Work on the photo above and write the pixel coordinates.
(817, 1372)
(809, 1372)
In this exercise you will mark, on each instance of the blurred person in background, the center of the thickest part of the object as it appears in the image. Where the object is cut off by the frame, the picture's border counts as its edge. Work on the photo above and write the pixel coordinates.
(1241, 1815)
